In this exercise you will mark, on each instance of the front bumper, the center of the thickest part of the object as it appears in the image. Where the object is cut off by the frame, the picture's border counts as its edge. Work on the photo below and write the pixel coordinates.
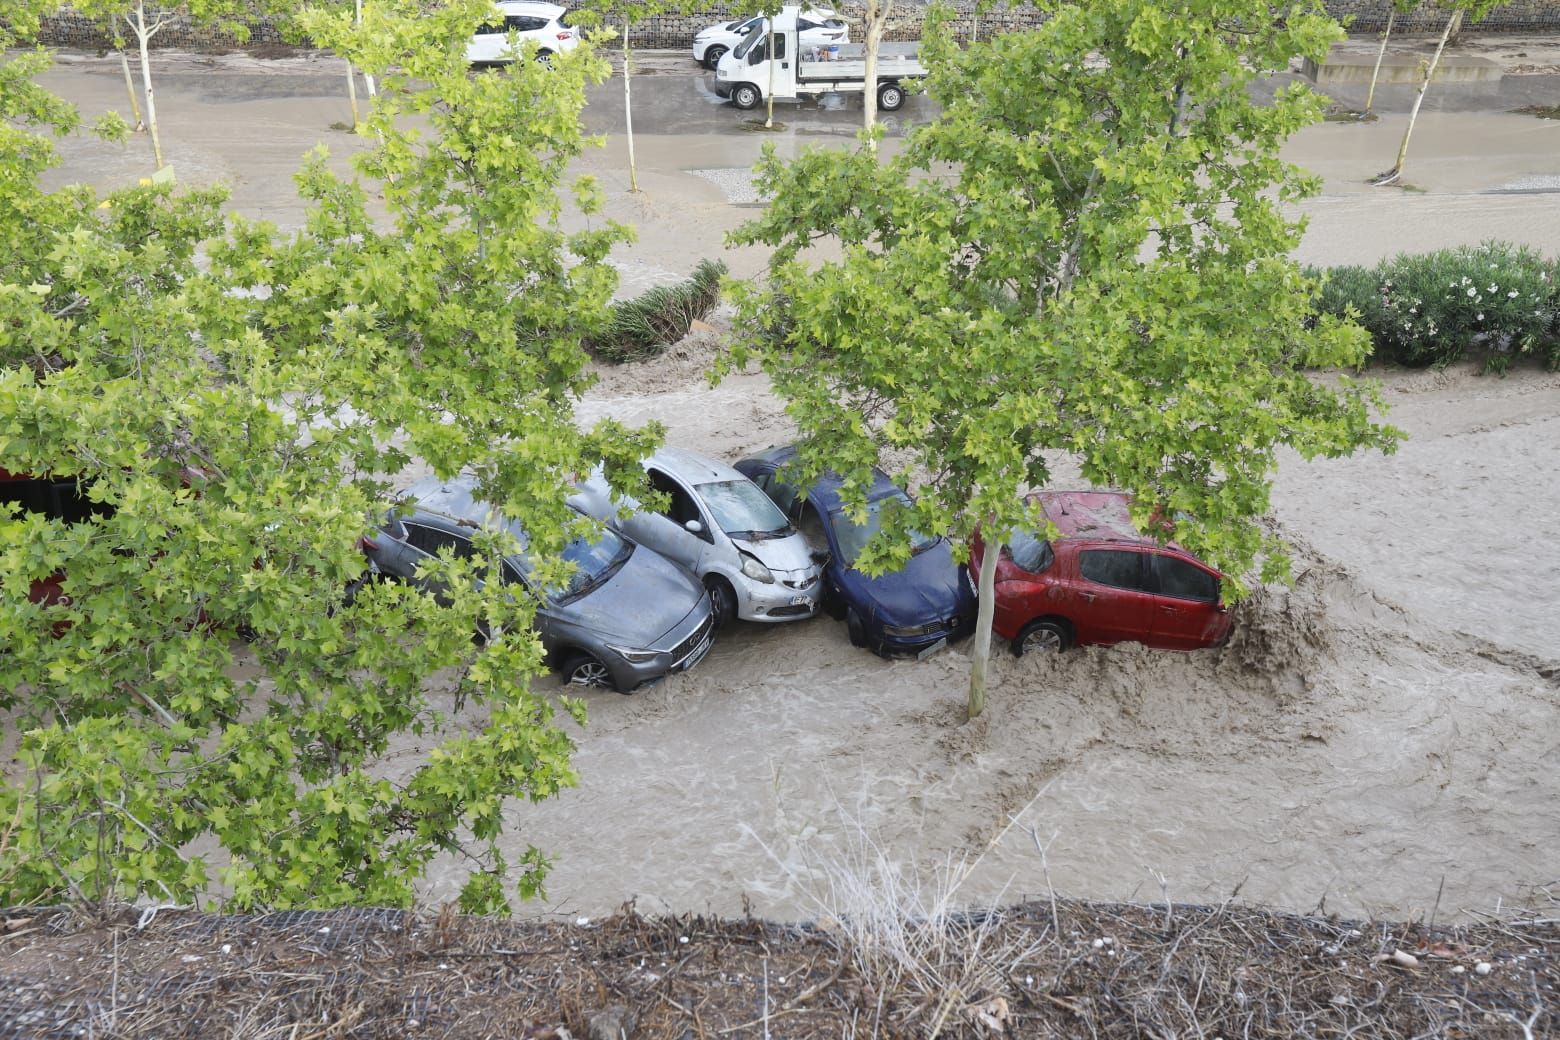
(930, 637)
(778, 601)
(683, 647)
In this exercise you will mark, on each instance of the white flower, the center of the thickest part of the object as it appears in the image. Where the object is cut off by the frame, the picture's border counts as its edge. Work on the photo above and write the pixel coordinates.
(1413, 310)
(1512, 295)
(1494, 288)
(1473, 292)
(1481, 317)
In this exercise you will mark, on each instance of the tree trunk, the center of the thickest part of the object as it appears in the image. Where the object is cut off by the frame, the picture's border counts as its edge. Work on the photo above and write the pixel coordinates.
(1370, 94)
(135, 106)
(980, 642)
(352, 94)
(143, 36)
(368, 80)
(1392, 175)
(628, 112)
(869, 73)
(769, 117)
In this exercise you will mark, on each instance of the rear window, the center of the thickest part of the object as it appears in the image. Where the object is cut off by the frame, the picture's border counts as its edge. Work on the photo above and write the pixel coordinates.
(1113, 567)
(1181, 580)
(1030, 553)
(58, 499)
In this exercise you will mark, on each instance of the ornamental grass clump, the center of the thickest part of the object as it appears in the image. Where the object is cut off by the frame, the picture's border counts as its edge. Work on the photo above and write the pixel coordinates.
(1497, 299)
(649, 323)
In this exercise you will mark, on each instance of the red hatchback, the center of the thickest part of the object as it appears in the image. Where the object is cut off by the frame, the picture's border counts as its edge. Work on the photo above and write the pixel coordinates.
(1101, 582)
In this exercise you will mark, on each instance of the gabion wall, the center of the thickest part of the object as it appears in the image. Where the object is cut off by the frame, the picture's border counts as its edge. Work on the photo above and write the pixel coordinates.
(674, 32)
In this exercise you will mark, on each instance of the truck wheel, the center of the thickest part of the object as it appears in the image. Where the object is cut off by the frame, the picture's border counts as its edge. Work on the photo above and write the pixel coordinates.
(746, 96)
(713, 55)
(891, 97)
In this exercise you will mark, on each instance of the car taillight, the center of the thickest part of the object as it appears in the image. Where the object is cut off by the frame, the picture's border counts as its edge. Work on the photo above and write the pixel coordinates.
(367, 544)
(565, 36)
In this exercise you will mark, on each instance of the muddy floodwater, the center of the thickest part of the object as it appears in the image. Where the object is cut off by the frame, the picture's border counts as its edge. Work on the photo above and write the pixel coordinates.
(1379, 738)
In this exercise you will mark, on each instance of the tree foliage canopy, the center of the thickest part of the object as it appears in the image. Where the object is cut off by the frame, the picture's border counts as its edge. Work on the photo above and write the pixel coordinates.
(236, 400)
(1084, 256)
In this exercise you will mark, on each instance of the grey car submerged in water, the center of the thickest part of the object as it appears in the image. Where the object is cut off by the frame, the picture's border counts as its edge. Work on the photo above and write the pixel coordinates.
(628, 616)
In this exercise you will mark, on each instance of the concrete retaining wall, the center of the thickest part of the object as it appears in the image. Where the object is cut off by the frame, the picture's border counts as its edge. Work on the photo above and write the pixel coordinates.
(676, 31)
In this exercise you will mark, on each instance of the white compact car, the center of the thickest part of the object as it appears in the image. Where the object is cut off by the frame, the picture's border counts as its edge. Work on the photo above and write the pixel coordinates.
(819, 28)
(724, 529)
(547, 24)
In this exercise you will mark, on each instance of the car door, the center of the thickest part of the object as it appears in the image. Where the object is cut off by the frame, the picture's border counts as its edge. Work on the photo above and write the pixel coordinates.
(1111, 602)
(665, 532)
(487, 44)
(1187, 614)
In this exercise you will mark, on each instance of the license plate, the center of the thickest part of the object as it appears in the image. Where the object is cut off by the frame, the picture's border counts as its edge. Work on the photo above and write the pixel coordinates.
(697, 655)
(930, 650)
(801, 601)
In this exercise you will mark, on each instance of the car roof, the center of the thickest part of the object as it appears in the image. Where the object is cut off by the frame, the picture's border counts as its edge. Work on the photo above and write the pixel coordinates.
(826, 492)
(532, 6)
(455, 499)
(1099, 515)
(691, 466)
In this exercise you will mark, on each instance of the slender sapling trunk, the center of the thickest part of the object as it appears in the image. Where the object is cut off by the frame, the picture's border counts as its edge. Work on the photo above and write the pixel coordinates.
(769, 116)
(1370, 95)
(352, 95)
(1392, 175)
(869, 71)
(135, 104)
(368, 80)
(980, 642)
(628, 112)
(143, 36)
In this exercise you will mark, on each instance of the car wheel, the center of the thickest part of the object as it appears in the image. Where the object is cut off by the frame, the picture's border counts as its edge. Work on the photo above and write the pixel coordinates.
(544, 58)
(723, 601)
(712, 56)
(854, 628)
(1041, 637)
(891, 96)
(746, 96)
(581, 669)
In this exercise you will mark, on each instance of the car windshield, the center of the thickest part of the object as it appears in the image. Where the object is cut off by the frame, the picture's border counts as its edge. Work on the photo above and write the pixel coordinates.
(743, 511)
(594, 562)
(750, 39)
(853, 537)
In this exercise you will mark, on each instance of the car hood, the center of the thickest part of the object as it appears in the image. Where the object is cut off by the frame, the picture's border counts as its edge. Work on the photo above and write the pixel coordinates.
(928, 588)
(780, 554)
(643, 601)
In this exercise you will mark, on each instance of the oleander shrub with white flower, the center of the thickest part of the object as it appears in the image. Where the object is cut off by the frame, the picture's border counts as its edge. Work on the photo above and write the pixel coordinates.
(1496, 299)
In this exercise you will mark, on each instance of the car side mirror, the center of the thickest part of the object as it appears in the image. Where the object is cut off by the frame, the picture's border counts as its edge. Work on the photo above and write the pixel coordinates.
(693, 527)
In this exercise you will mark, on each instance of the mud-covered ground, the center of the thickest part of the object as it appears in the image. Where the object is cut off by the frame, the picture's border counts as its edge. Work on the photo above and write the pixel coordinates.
(1045, 969)
(1379, 740)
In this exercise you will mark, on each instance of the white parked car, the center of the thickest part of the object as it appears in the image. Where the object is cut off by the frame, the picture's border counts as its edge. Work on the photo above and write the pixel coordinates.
(819, 28)
(724, 529)
(547, 24)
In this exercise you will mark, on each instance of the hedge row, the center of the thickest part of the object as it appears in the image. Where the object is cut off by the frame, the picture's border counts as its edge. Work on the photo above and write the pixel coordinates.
(1496, 301)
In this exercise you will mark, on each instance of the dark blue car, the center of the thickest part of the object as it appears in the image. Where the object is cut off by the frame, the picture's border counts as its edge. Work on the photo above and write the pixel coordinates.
(910, 612)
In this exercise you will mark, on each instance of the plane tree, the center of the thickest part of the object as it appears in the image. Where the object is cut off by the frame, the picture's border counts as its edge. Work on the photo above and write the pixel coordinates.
(1083, 257)
(214, 695)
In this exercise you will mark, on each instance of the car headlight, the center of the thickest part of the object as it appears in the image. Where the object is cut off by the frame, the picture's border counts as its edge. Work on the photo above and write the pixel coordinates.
(755, 570)
(634, 655)
(907, 631)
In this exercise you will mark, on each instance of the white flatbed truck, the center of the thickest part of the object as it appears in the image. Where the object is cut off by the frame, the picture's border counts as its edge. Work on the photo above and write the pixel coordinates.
(744, 72)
